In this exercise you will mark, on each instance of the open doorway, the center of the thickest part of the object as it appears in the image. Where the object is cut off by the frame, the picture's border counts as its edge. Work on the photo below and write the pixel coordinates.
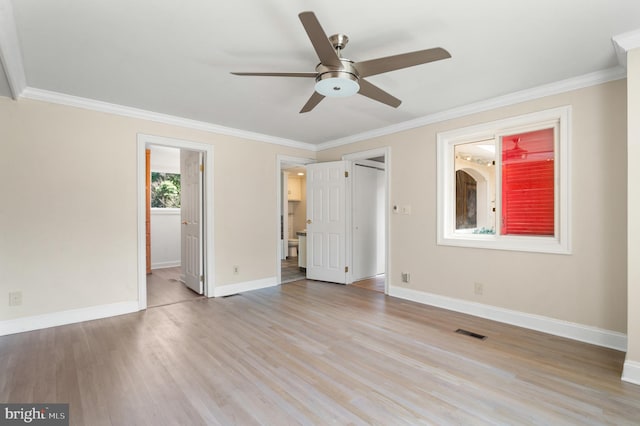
(292, 217)
(175, 232)
(364, 255)
(166, 274)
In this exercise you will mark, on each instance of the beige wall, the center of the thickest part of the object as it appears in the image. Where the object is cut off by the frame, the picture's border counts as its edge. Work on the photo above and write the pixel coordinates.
(633, 112)
(586, 287)
(68, 236)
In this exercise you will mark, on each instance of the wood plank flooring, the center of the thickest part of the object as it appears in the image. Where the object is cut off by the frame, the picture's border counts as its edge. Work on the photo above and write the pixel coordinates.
(374, 284)
(164, 287)
(313, 353)
(290, 271)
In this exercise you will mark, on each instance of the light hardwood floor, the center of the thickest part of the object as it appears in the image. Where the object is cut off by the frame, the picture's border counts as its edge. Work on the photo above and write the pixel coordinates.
(164, 287)
(290, 271)
(374, 284)
(313, 353)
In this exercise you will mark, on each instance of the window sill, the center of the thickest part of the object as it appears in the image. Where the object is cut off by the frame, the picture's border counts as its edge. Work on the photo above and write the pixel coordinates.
(513, 243)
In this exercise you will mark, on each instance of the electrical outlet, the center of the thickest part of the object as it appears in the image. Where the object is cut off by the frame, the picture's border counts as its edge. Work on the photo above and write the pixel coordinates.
(15, 298)
(478, 288)
(406, 277)
(406, 209)
(236, 270)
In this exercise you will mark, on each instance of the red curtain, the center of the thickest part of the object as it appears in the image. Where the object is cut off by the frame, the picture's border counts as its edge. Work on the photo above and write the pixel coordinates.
(528, 183)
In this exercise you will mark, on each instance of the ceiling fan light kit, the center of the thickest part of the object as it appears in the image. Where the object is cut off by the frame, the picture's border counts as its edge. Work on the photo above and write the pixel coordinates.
(337, 77)
(337, 84)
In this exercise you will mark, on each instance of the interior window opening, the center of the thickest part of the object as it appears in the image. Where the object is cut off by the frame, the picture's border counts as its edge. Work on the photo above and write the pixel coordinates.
(506, 184)
(475, 187)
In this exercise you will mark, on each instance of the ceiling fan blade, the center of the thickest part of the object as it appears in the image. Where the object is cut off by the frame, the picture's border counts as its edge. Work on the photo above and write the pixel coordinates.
(278, 74)
(312, 102)
(377, 94)
(403, 60)
(323, 47)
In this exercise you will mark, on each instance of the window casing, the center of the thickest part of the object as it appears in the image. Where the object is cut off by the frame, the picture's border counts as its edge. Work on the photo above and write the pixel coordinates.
(521, 196)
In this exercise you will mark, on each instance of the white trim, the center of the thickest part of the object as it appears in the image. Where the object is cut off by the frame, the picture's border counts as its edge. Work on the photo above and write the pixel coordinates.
(363, 155)
(209, 264)
(591, 79)
(10, 55)
(624, 43)
(570, 330)
(165, 211)
(94, 105)
(71, 316)
(168, 264)
(587, 80)
(558, 118)
(230, 289)
(631, 372)
(279, 160)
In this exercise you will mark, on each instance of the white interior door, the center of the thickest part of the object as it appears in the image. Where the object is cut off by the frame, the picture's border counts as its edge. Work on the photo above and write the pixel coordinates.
(327, 221)
(368, 222)
(191, 218)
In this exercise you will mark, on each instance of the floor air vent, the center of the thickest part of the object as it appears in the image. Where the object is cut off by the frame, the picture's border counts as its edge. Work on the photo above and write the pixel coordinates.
(471, 333)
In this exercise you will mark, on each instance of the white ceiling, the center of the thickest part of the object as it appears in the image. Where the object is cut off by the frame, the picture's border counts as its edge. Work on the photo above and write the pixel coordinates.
(174, 57)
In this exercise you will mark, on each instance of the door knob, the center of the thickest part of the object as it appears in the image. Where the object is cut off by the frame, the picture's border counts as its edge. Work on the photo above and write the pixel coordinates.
(308, 221)
(184, 222)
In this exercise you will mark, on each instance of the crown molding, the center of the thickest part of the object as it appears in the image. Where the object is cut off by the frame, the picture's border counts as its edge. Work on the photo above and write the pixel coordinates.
(587, 80)
(624, 43)
(10, 55)
(100, 106)
(591, 79)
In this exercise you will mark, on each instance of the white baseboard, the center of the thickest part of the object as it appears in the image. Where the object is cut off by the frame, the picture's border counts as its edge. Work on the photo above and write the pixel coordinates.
(169, 264)
(631, 372)
(570, 330)
(228, 290)
(55, 319)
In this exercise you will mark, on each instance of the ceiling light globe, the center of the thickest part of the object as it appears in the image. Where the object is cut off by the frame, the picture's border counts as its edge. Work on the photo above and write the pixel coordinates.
(337, 85)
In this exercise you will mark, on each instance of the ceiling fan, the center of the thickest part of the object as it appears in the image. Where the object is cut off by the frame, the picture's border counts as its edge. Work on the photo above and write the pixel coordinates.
(340, 77)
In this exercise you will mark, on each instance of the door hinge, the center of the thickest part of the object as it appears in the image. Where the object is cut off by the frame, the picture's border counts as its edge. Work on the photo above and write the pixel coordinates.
(202, 167)
(346, 174)
(346, 269)
(201, 278)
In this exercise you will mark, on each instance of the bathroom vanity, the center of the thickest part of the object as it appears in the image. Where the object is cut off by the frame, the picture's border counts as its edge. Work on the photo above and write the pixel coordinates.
(302, 250)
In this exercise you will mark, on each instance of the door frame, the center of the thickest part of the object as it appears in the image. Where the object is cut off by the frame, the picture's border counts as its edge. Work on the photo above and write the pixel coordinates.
(143, 141)
(364, 155)
(280, 159)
